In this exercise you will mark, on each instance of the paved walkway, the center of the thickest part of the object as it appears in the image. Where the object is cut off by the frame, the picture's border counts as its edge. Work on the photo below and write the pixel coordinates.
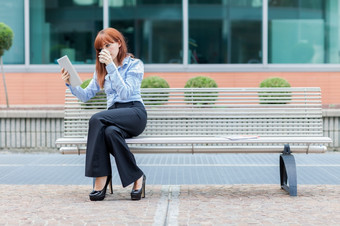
(171, 205)
(173, 169)
(43, 200)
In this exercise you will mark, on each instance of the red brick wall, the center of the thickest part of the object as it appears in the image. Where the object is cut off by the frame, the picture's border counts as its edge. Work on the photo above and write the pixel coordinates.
(48, 88)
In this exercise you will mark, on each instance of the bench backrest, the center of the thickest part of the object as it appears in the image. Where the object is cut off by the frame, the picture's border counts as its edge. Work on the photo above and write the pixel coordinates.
(214, 112)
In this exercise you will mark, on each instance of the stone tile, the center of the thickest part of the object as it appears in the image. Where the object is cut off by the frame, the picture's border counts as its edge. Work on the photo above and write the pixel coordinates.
(191, 205)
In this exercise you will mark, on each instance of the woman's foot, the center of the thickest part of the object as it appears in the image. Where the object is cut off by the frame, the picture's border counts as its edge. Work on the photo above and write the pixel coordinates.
(138, 183)
(138, 190)
(99, 183)
(99, 190)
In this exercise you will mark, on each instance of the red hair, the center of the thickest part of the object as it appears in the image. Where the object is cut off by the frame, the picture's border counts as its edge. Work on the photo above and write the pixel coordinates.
(105, 36)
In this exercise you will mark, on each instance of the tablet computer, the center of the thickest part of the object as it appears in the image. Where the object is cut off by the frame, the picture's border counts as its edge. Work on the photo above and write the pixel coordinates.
(65, 63)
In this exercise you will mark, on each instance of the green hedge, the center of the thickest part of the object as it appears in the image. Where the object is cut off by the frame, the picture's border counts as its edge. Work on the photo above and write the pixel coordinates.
(85, 83)
(274, 82)
(155, 82)
(95, 98)
(201, 82)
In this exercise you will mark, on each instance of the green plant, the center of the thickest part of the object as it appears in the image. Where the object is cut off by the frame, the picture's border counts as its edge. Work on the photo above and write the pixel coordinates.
(203, 97)
(6, 40)
(155, 82)
(274, 82)
(100, 97)
(85, 83)
(201, 82)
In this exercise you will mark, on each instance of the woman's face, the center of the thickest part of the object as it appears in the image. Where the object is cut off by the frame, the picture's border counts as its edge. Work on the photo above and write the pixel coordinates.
(113, 48)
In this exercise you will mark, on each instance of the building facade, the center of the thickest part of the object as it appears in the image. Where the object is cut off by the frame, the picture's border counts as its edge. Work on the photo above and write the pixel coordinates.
(237, 42)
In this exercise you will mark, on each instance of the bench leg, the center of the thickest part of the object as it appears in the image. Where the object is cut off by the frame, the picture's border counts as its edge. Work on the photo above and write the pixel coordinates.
(288, 171)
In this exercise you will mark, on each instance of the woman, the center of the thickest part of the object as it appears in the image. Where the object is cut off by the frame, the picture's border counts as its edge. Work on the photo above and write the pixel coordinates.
(120, 75)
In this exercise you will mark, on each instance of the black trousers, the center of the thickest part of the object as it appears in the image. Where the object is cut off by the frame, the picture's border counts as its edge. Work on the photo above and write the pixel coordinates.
(107, 132)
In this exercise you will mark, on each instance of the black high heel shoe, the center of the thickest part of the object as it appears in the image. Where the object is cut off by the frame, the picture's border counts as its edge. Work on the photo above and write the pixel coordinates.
(140, 193)
(100, 195)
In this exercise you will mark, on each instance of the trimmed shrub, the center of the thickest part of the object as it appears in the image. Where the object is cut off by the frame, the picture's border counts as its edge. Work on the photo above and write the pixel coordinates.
(155, 82)
(85, 83)
(274, 82)
(6, 38)
(95, 98)
(201, 82)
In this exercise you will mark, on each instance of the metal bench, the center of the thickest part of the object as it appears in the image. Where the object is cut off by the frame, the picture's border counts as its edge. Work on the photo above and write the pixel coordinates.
(216, 120)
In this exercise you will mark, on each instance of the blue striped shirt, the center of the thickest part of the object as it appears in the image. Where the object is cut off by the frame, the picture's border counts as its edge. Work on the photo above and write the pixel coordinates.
(121, 84)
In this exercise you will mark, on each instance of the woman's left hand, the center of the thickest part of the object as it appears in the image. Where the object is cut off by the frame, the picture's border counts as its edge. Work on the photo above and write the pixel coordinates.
(105, 57)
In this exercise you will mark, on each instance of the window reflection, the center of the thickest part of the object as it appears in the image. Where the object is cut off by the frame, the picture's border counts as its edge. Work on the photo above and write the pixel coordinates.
(303, 31)
(12, 14)
(153, 29)
(64, 27)
(220, 31)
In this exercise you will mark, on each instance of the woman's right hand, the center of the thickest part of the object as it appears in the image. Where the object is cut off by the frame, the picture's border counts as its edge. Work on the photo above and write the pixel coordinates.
(65, 76)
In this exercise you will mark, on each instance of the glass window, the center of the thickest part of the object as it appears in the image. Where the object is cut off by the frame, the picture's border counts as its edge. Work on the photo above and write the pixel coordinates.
(303, 31)
(12, 14)
(224, 31)
(153, 28)
(64, 27)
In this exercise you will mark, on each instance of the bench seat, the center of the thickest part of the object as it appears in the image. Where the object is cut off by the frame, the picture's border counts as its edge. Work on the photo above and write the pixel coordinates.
(216, 120)
(259, 145)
